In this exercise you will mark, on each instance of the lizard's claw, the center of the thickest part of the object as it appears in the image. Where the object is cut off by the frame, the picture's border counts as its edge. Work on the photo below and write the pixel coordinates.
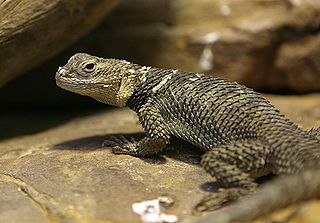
(218, 200)
(120, 144)
(120, 150)
(210, 202)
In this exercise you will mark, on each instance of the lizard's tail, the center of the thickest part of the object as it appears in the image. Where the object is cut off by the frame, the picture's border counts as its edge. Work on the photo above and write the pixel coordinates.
(279, 193)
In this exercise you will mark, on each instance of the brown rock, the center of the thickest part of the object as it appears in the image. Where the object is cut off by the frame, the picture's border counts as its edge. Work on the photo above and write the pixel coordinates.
(268, 45)
(33, 31)
(299, 62)
(64, 175)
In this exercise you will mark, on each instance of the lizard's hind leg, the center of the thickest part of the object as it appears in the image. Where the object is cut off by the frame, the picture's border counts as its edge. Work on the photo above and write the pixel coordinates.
(235, 166)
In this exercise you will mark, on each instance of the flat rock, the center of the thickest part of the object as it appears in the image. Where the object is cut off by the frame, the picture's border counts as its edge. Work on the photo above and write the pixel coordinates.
(63, 174)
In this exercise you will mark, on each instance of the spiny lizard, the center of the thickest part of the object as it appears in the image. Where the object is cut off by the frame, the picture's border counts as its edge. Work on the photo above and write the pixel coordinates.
(243, 135)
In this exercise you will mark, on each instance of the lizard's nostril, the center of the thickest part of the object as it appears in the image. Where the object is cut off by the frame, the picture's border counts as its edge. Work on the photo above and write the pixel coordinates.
(61, 71)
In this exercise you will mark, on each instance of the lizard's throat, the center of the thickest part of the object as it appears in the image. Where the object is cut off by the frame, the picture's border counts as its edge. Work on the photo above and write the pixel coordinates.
(109, 97)
(117, 93)
(115, 96)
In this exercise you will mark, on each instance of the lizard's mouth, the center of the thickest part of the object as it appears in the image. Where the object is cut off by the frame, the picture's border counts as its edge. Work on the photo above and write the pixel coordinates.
(68, 84)
(65, 82)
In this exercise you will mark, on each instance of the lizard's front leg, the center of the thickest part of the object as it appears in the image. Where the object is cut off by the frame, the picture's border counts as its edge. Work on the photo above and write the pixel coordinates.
(157, 133)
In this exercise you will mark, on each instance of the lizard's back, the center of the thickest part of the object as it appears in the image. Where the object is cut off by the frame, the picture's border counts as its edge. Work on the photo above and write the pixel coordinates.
(210, 111)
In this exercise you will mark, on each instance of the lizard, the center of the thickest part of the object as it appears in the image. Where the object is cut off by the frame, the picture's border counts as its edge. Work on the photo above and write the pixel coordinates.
(242, 134)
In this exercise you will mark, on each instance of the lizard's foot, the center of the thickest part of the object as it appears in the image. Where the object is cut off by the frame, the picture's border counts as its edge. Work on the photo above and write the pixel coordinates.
(219, 199)
(120, 144)
(144, 147)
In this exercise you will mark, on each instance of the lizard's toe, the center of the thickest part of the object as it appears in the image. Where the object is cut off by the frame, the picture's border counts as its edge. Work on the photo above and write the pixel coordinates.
(211, 202)
(219, 199)
(120, 144)
(119, 150)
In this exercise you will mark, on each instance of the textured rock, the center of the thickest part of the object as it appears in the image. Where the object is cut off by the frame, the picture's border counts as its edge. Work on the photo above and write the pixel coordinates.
(299, 62)
(33, 31)
(63, 175)
(268, 45)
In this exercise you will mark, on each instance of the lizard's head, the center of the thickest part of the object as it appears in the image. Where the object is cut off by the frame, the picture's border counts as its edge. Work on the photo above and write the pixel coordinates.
(107, 80)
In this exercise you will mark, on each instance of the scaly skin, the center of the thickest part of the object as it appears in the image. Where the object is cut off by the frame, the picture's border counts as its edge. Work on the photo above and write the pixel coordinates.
(244, 135)
(273, 195)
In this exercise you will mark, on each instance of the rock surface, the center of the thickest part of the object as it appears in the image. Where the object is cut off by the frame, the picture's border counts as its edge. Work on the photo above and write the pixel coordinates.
(268, 45)
(63, 175)
(33, 31)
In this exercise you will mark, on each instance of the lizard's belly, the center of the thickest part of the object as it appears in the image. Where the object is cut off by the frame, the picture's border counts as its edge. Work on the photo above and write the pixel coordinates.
(204, 136)
(210, 129)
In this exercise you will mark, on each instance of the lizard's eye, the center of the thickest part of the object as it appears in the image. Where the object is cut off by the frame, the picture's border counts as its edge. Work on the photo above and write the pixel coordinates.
(89, 67)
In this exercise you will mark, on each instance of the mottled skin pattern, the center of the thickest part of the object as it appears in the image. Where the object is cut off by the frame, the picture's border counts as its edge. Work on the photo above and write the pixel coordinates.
(244, 135)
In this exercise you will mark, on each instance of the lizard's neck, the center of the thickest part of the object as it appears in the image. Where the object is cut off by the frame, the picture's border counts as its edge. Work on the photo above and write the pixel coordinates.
(147, 78)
